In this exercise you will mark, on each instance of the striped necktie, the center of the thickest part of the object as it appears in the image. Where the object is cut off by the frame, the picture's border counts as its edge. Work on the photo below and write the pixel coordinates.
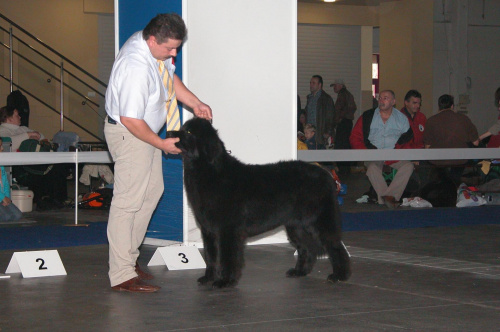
(173, 116)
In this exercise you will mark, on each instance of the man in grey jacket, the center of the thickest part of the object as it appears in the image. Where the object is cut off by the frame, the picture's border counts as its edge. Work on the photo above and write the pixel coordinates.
(320, 110)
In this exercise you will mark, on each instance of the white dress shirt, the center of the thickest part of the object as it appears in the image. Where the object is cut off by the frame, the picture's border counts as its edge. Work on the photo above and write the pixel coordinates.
(135, 87)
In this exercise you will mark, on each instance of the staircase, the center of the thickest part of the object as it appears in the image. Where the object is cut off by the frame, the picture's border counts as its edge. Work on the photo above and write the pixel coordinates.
(62, 95)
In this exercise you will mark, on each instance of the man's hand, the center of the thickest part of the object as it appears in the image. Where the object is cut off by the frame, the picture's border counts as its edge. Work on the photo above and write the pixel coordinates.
(168, 145)
(203, 111)
(34, 135)
(6, 201)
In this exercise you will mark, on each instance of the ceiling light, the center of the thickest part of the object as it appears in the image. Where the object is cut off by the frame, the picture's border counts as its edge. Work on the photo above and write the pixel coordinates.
(329, 0)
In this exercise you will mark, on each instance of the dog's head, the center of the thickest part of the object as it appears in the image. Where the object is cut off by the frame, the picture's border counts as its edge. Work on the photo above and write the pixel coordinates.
(198, 140)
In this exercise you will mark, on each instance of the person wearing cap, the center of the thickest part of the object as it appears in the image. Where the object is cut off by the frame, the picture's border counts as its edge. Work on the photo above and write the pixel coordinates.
(345, 106)
(320, 109)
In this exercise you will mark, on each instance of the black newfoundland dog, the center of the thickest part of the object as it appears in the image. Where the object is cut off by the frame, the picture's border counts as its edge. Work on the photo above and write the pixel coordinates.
(232, 201)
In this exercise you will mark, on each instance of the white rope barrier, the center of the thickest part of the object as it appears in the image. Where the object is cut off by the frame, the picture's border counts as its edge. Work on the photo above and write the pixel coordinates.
(37, 158)
(103, 157)
(398, 154)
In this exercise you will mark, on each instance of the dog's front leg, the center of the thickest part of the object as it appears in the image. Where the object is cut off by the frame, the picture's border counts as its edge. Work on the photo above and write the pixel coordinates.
(231, 260)
(210, 252)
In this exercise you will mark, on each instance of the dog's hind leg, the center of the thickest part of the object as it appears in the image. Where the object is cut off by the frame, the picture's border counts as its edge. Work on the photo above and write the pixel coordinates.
(231, 260)
(330, 230)
(307, 250)
(341, 262)
(210, 253)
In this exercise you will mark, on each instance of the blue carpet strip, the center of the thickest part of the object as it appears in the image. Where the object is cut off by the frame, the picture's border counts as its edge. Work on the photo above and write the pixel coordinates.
(418, 218)
(52, 236)
(56, 236)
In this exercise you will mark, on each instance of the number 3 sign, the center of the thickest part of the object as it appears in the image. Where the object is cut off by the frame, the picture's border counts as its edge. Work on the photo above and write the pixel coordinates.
(178, 258)
(36, 264)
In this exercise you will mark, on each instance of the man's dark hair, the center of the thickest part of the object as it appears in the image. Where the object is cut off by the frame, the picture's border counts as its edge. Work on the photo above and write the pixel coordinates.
(19, 101)
(446, 102)
(164, 27)
(497, 97)
(6, 112)
(320, 79)
(413, 93)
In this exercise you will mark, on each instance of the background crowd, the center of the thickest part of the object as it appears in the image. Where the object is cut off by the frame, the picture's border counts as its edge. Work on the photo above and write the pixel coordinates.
(325, 124)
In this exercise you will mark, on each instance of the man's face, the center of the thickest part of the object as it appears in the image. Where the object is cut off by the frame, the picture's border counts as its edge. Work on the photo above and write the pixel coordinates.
(165, 50)
(314, 85)
(413, 105)
(337, 87)
(14, 119)
(386, 101)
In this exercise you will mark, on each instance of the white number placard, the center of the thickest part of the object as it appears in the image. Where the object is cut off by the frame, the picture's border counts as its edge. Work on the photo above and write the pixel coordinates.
(178, 258)
(32, 264)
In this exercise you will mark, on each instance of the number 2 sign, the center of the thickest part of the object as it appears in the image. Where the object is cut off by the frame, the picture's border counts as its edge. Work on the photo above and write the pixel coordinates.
(36, 264)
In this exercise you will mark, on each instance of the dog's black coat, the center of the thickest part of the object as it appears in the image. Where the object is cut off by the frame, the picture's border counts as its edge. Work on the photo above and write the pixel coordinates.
(232, 201)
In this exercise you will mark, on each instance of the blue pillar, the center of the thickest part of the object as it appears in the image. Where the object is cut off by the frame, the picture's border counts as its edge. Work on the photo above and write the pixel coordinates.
(167, 220)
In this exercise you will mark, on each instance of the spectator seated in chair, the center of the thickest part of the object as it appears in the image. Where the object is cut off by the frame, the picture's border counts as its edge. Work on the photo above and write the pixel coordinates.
(48, 182)
(384, 128)
(446, 130)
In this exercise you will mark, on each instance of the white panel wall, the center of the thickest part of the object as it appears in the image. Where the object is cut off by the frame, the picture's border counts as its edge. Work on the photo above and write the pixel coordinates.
(466, 53)
(484, 48)
(332, 51)
(240, 58)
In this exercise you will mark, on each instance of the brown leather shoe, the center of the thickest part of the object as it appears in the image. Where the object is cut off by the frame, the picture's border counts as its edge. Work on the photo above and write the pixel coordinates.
(391, 202)
(143, 275)
(135, 285)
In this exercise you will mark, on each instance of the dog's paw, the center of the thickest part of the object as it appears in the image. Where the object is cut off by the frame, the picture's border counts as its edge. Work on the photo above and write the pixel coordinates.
(223, 283)
(204, 280)
(334, 277)
(294, 273)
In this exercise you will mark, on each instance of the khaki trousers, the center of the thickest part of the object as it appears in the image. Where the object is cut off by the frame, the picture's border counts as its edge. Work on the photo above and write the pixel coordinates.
(137, 189)
(398, 184)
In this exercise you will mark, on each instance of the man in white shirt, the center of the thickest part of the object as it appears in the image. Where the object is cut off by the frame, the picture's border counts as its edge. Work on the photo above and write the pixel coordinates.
(136, 101)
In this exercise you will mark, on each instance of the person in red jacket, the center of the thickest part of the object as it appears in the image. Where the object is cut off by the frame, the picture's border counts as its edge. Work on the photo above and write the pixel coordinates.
(413, 102)
(384, 128)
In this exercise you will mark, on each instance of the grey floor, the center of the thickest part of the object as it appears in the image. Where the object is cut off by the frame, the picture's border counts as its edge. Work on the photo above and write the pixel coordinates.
(426, 279)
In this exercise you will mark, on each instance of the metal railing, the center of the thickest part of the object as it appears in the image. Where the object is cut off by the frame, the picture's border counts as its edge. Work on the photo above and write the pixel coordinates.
(50, 78)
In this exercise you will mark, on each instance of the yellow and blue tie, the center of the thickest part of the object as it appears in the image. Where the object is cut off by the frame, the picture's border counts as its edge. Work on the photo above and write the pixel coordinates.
(173, 116)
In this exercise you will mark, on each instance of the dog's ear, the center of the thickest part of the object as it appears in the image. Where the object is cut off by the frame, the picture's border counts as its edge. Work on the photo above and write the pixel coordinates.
(213, 149)
(209, 145)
